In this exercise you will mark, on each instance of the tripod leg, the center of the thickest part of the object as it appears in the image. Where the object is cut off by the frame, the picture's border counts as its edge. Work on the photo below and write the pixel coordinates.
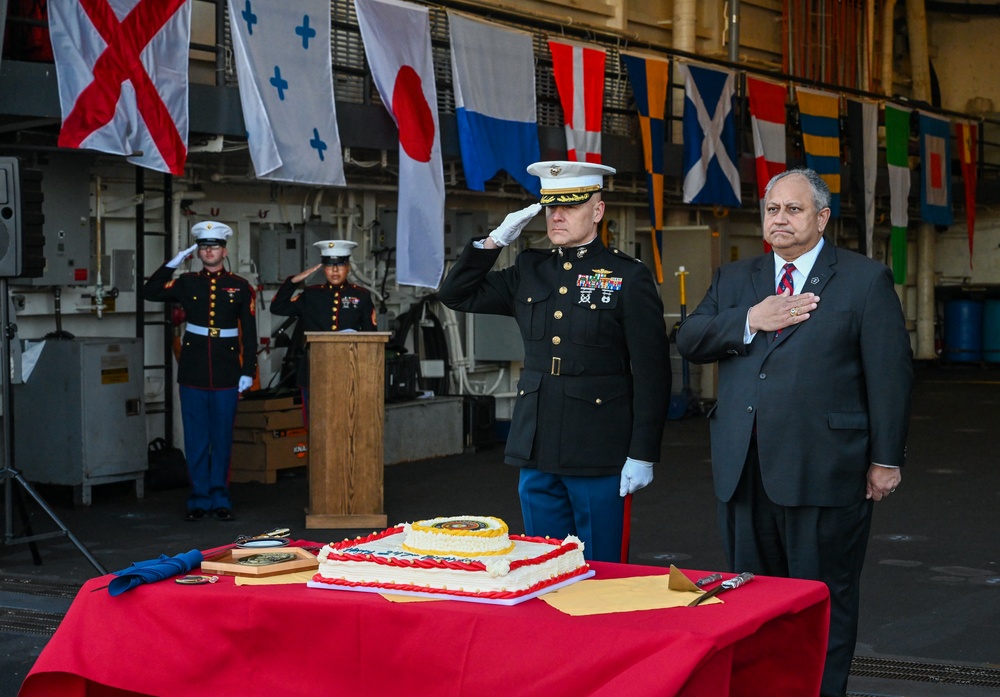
(66, 531)
(18, 503)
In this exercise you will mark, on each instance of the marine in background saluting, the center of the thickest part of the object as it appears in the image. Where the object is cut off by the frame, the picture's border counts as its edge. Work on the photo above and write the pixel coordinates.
(592, 398)
(334, 306)
(218, 360)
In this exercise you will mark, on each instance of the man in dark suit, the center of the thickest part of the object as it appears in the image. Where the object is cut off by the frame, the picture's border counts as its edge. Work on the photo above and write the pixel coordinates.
(813, 407)
(592, 397)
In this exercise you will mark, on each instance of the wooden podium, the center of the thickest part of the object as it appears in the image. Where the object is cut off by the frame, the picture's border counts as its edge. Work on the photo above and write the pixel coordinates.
(346, 420)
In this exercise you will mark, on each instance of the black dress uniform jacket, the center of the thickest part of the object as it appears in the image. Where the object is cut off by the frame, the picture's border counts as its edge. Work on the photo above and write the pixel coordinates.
(215, 300)
(325, 308)
(596, 379)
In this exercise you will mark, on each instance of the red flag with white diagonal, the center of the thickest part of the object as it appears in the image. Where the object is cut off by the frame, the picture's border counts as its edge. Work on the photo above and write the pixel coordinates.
(123, 82)
(767, 118)
(579, 75)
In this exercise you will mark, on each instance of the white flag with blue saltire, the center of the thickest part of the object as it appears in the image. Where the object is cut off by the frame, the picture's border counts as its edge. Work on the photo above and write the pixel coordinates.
(286, 87)
(493, 70)
(397, 38)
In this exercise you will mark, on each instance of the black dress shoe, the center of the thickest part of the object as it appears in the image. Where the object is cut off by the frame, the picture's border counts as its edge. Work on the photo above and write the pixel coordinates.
(195, 514)
(223, 514)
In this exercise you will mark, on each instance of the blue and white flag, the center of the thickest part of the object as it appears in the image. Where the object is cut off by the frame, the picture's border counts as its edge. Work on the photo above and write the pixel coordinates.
(286, 87)
(710, 172)
(935, 170)
(397, 37)
(493, 69)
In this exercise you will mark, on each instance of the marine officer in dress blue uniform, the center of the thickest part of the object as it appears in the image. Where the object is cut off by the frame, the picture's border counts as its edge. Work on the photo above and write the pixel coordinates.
(334, 306)
(592, 398)
(218, 361)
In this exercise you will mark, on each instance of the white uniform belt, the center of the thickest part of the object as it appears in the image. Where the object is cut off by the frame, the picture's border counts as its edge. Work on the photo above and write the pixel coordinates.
(213, 332)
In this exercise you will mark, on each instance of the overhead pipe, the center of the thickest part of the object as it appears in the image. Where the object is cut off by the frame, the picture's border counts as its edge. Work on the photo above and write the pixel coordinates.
(734, 31)
(888, 15)
(916, 25)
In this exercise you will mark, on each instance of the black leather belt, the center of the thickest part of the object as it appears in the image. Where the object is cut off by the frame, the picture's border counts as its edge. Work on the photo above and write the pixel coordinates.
(554, 365)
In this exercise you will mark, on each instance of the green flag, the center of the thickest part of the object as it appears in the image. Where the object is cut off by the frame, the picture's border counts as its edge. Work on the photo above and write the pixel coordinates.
(897, 147)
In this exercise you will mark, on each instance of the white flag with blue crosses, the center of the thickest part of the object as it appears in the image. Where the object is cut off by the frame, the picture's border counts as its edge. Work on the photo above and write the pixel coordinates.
(286, 87)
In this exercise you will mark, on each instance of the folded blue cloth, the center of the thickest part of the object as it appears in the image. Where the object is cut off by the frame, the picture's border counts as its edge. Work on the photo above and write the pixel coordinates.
(154, 570)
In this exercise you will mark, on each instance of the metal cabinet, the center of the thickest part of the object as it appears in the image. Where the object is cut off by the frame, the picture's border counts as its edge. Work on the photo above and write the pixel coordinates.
(78, 418)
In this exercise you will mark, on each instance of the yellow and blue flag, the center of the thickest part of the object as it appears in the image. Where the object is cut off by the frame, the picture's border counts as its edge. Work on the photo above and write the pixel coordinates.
(820, 118)
(648, 77)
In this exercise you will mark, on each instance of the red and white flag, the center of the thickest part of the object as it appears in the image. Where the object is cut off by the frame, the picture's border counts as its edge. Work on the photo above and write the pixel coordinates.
(579, 75)
(397, 38)
(122, 68)
(966, 137)
(767, 120)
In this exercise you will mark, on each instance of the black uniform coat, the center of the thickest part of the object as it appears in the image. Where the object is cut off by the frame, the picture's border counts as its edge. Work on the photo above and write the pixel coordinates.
(829, 396)
(325, 308)
(593, 316)
(221, 300)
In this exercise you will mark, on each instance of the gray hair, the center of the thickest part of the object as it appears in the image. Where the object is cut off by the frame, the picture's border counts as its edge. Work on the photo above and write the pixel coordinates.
(820, 190)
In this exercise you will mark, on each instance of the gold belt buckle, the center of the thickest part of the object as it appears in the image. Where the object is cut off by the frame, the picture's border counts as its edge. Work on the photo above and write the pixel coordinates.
(213, 332)
(556, 365)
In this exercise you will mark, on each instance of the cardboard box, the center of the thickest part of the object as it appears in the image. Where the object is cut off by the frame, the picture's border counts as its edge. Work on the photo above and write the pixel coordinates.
(260, 460)
(269, 420)
(260, 435)
(270, 414)
(271, 404)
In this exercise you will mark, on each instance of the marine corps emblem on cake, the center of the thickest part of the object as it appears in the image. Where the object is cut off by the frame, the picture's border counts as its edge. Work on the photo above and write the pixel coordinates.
(598, 280)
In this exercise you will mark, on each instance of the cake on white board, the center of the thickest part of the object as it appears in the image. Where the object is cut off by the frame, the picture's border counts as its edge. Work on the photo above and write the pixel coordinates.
(463, 557)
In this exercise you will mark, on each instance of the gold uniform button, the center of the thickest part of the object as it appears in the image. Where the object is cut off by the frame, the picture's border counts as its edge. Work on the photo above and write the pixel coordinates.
(563, 290)
(521, 393)
(529, 299)
(597, 401)
(593, 307)
(212, 313)
(556, 340)
(212, 296)
(567, 266)
(557, 314)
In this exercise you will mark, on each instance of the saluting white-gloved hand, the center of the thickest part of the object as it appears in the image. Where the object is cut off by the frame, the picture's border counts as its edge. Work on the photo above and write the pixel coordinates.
(179, 259)
(635, 475)
(245, 382)
(512, 225)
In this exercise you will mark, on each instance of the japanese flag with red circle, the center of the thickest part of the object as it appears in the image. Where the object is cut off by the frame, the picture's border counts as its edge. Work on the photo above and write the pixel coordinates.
(397, 38)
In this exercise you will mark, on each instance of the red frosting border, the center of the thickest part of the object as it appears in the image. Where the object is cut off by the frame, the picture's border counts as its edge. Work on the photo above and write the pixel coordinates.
(496, 595)
(431, 563)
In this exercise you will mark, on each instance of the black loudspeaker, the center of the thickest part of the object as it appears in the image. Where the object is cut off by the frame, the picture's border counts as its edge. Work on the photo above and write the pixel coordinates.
(22, 239)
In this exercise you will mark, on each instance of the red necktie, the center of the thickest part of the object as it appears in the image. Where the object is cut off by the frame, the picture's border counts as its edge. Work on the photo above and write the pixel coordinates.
(786, 283)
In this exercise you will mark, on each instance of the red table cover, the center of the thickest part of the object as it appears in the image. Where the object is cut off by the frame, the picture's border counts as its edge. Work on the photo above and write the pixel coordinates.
(165, 639)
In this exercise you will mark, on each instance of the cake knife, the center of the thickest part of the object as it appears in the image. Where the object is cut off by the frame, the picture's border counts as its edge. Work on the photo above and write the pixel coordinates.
(711, 578)
(734, 582)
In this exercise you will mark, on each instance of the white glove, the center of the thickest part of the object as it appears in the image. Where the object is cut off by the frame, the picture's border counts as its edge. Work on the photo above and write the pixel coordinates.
(179, 259)
(635, 475)
(512, 225)
(245, 382)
